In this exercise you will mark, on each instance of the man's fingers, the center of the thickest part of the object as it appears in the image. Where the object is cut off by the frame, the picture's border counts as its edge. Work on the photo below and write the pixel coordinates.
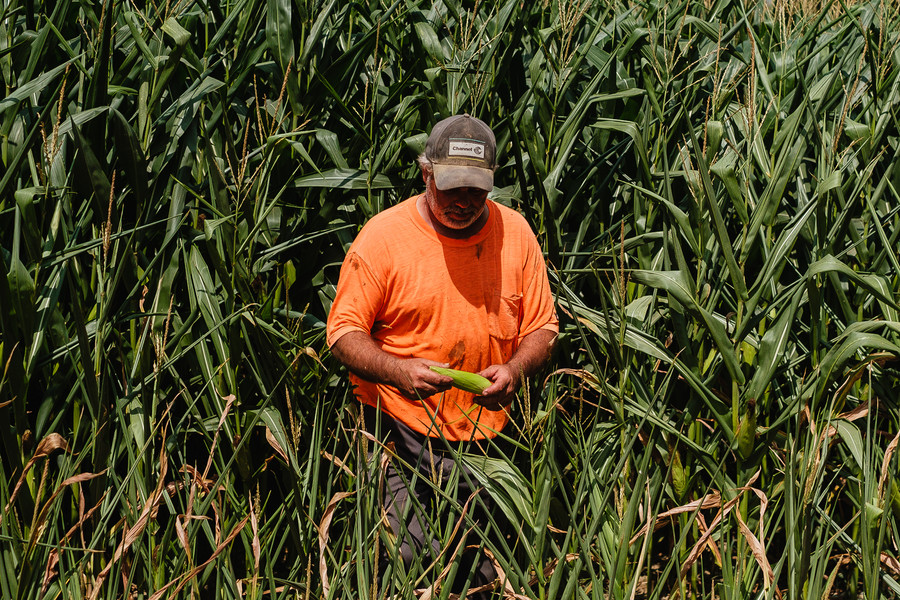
(495, 388)
(494, 404)
(438, 380)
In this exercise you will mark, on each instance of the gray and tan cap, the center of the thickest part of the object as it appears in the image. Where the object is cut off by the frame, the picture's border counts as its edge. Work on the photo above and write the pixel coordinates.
(462, 151)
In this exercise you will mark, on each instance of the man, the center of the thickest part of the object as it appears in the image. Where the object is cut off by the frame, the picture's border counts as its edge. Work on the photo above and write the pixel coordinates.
(445, 278)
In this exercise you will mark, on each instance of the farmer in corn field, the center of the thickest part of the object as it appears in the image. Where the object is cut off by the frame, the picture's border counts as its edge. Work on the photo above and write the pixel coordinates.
(446, 278)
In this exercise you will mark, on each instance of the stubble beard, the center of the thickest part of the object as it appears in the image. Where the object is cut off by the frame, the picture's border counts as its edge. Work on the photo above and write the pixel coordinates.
(448, 217)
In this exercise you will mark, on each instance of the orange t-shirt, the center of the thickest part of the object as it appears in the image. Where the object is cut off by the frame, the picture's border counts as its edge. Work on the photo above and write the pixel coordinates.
(464, 302)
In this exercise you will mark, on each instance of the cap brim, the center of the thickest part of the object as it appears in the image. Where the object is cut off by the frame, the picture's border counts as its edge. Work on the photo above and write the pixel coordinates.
(447, 177)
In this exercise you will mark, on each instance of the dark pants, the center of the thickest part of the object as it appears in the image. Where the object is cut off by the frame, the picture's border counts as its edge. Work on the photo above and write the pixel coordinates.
(421, 465)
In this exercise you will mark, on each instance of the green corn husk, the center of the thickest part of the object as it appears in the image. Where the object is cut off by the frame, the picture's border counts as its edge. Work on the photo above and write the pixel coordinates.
(463, 380)
(746, 436)
(679, 475)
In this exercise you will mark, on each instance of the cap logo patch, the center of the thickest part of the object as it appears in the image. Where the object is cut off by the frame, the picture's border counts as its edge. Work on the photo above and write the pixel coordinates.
(466, 147)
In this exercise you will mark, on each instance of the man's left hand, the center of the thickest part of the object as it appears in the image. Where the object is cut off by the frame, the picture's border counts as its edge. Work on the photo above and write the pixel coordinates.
(533, 352)
(504, 383)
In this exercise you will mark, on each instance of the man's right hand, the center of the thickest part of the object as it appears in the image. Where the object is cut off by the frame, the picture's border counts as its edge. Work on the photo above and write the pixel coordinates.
(362, 355)
(415, 380)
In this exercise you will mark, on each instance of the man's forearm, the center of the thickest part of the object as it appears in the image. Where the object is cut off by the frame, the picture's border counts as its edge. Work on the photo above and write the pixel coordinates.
(361, 354)
(533, 353)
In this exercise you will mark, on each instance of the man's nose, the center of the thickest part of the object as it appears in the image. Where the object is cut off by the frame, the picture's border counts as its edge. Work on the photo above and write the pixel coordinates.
(466, 194)
(459, 196)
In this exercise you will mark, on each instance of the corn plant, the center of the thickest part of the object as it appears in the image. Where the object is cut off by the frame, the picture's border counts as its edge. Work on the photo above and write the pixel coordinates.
(714, 185)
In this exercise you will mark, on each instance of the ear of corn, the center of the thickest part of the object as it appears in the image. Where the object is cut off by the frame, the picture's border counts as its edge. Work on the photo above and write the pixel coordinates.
(679, 475)
(746, 437)
(463, 380)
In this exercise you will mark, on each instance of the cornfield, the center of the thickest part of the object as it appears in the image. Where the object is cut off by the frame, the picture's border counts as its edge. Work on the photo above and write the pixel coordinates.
(715, 185)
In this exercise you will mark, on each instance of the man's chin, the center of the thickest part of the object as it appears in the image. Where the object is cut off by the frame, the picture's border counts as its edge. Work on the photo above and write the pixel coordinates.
(453, 223)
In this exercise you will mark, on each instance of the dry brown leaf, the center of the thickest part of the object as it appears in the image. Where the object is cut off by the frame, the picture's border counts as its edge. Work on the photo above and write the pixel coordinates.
(229, 401)
(851, 415)
(855, 375)
(254, 544)
(426, 595)
(51, 570)
(199, 568)
(553, 529)
(812, 423)
(888, 454)
(270, 437)
(387, 447)
(763, 505)
(551, 567)
(747, 486)
(701, 543)
(368, 436)
(131, 535)
(198, 480)
(254, 527)
(711, 500)
(428, 592)
(586, 376)
(48, 505)
(508, 590)
(857, 413)
(182, 536)
(756, 546)
(710, 543)
(80, 478)
(324, 525)
(276, 591)
(890, 562)
(311, 352)
(879, 358)
(337, 462)
(52, 442)
(217, 526)
(83, 517)
(759, 552)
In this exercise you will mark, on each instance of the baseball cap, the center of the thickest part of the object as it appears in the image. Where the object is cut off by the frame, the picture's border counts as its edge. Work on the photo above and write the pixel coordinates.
(462, 151)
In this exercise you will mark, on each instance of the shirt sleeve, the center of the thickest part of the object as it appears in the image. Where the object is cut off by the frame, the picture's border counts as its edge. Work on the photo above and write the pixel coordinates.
(358, 299)
(538, 310)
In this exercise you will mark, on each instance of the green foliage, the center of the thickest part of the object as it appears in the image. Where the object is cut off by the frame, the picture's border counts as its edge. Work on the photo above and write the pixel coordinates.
(716, 189)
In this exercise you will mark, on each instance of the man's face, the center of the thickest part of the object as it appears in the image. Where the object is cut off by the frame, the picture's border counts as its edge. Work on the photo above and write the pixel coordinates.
(456, 208)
